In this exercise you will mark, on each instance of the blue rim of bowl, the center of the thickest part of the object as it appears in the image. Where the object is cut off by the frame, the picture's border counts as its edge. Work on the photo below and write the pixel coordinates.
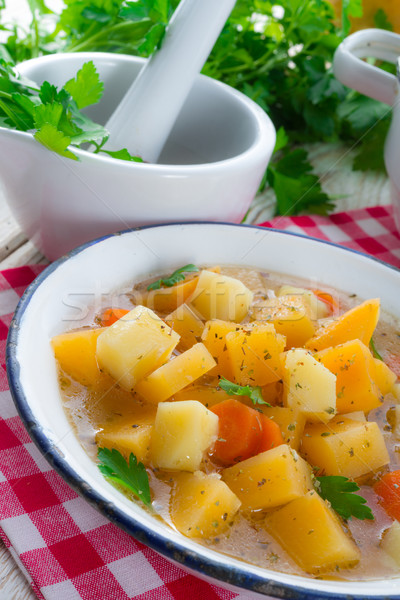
(230, 575)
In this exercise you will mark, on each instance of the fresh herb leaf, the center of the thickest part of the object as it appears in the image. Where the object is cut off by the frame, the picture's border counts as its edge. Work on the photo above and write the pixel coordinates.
(86, 88)
(381, 20)
(176, 276)
(374, 350)
(339, 491)
(350, 8)
(133, 475)
(54, 140)
(254, 393)
(123, 155)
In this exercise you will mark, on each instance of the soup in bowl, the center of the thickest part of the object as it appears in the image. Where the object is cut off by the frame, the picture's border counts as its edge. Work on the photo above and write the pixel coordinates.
(237, 388)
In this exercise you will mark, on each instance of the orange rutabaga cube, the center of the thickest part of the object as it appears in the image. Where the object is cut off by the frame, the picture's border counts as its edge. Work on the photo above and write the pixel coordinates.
(185, 321)
(356, 324)
(176, 374)
(353, 365)
(311, 533)
(290, 421)
(208, 395)
(75, 352)
(221, 297)
(166, 299)
(383, 376)
(134, 346)
(202, 505)
(129, 435)
(290, 317)
(254, 352)
(345, 447)
(214, 338)
(270, 478)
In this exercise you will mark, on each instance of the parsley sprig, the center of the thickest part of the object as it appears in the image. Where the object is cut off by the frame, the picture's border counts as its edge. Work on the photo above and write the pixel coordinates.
(132, 476)
(340, 492)
(175, 277)
(374, 350)
(254, 393)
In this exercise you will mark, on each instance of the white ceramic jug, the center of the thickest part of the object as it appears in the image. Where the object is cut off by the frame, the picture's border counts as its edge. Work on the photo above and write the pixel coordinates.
(367, 79)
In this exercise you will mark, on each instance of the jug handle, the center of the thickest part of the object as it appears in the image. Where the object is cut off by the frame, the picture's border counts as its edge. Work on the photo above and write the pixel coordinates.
(361, 76)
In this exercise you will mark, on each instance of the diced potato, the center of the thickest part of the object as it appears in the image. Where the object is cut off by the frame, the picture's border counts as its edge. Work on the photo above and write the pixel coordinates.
(76, 354)
(353, 365)
(290, 317)
(221, 297)
(202, 505)
(134, 346)
(214, 338)
(357, 415)
(206, 394)
(185, 321)
(308, 386)
(270, 478)
(128, 436)
(254, 352)
(317, 308)
(183, 432)
(312, 534)
(290, 421)
(383, 376)
(356, 324)
(391, 541)
(345, 447)
(176, 374)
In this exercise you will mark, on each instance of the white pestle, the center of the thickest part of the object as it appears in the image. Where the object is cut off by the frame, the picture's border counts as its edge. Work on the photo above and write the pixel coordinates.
(143, 120)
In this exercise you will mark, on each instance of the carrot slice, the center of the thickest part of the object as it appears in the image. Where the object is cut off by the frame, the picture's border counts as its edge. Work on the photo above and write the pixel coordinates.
(111, 315)
(239, 432)
(388, 489)
(327, 298)
(271, 435)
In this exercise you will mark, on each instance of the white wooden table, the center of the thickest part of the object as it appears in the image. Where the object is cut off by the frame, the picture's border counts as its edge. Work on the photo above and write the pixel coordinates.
(332, 163)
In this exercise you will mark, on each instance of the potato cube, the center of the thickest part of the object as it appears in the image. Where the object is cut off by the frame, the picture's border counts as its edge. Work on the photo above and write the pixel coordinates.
(254, 352)
(356, 324)
(308, 386)
(345, 447)
(383, 376)
(185, 321)
(290, 421)
(176, 374)
(134, 346)
(183, 432)
(270, 478)
(221, 297)
(317, 309)
(290, 317)
(390, 542)
(202, 505)
(214, 338)
(129, 435)
(312, 534)
(353, 365)
(75, 352)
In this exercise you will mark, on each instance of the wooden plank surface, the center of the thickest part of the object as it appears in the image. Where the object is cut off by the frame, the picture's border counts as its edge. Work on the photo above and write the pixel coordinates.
(332, 163)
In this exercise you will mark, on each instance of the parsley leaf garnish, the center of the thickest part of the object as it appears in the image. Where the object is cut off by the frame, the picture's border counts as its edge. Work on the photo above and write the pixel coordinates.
(339, 491)
(374, 350)
(254, 393)
(176, 277)
(133, 475)
(86, 88)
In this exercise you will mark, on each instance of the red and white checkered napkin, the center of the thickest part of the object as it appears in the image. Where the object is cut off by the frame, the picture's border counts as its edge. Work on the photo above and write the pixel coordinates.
(67, 550)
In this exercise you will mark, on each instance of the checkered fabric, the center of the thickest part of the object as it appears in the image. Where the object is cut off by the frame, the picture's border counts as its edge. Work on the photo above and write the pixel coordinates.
(66, 549)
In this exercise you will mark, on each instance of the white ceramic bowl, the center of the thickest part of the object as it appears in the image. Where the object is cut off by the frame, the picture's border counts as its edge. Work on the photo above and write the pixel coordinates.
(210, 168)
(54, 302)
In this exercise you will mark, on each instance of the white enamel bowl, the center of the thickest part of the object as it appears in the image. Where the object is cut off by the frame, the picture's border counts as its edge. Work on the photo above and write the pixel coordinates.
(54, 303)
